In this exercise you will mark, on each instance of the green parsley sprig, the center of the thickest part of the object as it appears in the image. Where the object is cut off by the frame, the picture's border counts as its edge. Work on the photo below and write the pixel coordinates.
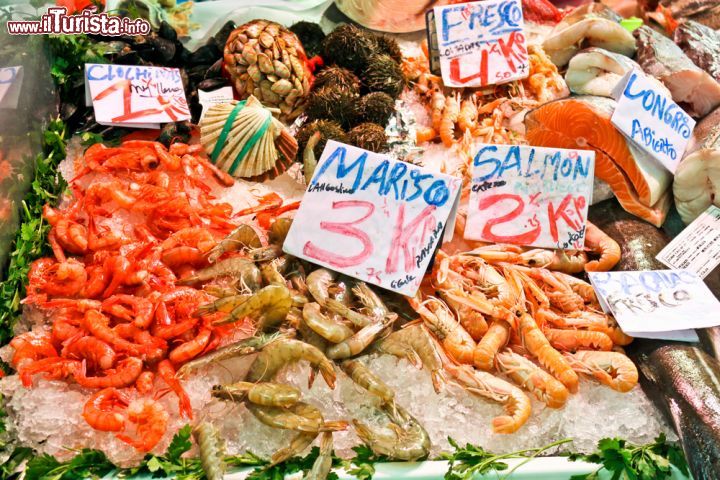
(362, 466)
(31, 240)
(624, 460)
(471, 460)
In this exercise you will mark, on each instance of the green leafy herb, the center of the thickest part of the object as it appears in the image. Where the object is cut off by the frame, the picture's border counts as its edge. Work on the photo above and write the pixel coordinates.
(69, 54)
(362, 466)
(471, 460)
(652, 461)
(30, 242)
(86, 464)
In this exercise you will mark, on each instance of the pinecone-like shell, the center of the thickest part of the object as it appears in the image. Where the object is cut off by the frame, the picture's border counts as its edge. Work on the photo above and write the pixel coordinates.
(266, 60)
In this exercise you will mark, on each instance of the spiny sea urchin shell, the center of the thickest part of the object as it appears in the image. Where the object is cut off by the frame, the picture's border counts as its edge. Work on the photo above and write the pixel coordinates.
(331, 103)
(383, 74)
(389, 46)
(349, 46)
(328, 129)
(337, 77)
(311, 36)
(368, 136)
(375, 107)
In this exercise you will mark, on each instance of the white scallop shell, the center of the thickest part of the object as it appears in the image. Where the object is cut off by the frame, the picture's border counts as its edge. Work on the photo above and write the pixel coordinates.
(261, 157)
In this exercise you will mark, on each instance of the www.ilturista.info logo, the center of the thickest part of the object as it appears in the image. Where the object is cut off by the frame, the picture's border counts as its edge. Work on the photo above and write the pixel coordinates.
(57, 21)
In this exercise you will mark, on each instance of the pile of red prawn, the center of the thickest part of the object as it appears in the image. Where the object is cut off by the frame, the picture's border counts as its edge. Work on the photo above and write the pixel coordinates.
(118, 321)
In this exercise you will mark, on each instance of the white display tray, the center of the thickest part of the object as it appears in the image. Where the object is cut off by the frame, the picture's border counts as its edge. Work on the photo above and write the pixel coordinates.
(542, 468)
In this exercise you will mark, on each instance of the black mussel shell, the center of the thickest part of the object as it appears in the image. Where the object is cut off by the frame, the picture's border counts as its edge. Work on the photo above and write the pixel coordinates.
(210, 84)
(197, 73)
(174, 132)
(222, 35)
(205, 55)
(215, 70)
(167, 31)
(130, 57)
(164, 48)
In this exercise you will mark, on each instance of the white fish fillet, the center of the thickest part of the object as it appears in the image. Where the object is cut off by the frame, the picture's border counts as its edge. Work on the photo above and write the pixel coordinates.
(697, 178)
(596, 71)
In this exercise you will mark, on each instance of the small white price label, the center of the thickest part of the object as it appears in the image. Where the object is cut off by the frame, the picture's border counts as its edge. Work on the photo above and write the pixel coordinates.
(697, 247)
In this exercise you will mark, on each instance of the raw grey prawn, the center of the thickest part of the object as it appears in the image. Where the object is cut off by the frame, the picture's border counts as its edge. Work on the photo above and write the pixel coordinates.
(261, 393)
(284, 351)
(268, 307)
(211, 449)
(318, 283)
(405, 440)
(361, 339)
(300, 417)
(241, 268)
(243, 237)
(242, 347)
(364, 377)
(325, 326)
(323, 463)
(417, 345)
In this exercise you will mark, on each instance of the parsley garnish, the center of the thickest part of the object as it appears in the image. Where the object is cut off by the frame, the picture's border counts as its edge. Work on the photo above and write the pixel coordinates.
(30, 241)
(624, 460)
(471, 460)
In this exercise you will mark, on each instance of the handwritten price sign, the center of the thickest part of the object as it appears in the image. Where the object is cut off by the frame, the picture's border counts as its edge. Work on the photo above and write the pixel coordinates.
(481, 43)
(10, 84)
(657, 303)
(651, 119)
(372, 217)
(530, 196)
(135, 96)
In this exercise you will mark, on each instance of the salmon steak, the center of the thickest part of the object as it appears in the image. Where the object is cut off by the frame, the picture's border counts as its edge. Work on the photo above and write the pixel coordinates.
(640, 184)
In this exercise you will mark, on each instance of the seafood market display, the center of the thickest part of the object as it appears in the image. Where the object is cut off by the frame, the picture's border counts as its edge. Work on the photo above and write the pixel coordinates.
(152, 311)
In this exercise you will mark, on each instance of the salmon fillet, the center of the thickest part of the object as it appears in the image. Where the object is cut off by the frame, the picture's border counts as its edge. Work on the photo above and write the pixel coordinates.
(640, 185)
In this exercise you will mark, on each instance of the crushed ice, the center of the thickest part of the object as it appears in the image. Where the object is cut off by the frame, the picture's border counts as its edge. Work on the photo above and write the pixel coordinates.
(49, 419)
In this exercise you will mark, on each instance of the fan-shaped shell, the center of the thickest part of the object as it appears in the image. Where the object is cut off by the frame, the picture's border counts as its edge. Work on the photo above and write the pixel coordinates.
(249, 149)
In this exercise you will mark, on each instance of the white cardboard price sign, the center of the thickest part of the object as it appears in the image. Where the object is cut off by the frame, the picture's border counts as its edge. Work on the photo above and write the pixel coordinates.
(10, 85)
(697, 247)
(651, 119)
(531, 196)
(664, 304)
(481, 43)
(372, 217)
(135, 96)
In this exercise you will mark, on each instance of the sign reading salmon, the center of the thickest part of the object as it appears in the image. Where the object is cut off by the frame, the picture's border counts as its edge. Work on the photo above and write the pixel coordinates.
(663, 304)
(530, 196)
(135, 96)
(652, 120)
(481, 43)
(371, 217)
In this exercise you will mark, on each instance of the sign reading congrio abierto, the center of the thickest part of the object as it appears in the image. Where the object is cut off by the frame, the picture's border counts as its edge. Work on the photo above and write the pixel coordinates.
(372, 217)
(479, 43)
(532, 196)
(652, 120)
